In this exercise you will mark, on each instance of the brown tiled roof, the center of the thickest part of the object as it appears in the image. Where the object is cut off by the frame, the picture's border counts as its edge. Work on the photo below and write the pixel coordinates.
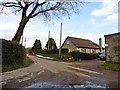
(84, 43)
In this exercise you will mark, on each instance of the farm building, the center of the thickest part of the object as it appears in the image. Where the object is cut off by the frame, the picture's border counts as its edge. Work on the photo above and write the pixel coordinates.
(112, 47)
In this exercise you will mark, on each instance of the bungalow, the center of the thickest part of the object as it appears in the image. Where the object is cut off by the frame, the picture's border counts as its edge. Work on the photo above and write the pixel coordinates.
(82, 45)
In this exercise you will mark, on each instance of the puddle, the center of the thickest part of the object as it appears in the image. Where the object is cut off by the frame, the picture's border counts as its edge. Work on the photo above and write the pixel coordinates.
(45, 85)
(51, 86)
(88, 86)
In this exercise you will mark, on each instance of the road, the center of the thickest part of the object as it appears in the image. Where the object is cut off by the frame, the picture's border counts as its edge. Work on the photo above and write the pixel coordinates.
(63, 73)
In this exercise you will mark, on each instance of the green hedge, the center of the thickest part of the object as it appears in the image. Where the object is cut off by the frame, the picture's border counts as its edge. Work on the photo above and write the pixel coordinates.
(83, 56)
(12, 53)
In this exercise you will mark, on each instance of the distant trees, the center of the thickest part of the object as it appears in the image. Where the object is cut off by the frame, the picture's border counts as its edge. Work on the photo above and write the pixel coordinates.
(37, 46)
(51, 44)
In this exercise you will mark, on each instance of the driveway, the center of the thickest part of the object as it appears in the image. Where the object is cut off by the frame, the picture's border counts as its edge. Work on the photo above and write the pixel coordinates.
(63, 73)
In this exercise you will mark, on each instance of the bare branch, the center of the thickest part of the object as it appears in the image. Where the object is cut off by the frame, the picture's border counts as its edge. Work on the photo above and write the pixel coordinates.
(2, 8)
(10, 4)
(20, 4)
(16, 11)
(41, 3)
(34, 9)
(49, 9)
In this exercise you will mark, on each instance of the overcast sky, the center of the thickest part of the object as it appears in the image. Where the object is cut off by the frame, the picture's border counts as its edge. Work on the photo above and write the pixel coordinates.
(96, 19)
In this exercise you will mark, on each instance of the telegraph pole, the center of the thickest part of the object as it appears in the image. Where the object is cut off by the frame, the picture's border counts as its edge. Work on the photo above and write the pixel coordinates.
(25, 43)
(22, 40)
(60, 40)
(100, 44)
(48, 40)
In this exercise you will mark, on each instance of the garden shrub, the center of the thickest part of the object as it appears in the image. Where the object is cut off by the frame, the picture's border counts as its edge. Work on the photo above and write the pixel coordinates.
(67, 57)
(75, 55)
(83, 56)
(12, 53)
(30, 52)
(53, 51)
(64, 50)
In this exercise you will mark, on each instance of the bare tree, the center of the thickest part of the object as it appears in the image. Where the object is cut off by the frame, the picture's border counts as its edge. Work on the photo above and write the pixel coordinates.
(45, 9)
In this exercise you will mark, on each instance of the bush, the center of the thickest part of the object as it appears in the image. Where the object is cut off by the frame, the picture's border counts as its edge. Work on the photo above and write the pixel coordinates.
(12, 53)
(83, 56)
(67, 57)
(26, 63)
(53, 51)
(30, 52)
(64, 50)
(76, 55)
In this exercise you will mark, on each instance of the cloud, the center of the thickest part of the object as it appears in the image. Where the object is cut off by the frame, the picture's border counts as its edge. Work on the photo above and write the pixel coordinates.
(7, 30)
(31, 36)
(108, 7)
(104, 11)
(113, 17)
(107, 2)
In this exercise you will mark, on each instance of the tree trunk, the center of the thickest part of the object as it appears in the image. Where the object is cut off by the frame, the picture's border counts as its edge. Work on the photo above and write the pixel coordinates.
(20, 29)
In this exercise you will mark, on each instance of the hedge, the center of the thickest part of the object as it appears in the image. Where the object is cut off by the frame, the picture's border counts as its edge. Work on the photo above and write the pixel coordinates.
(83, 56)
(12, 53)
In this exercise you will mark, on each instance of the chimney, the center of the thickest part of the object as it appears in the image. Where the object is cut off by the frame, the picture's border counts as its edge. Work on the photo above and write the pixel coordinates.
(100, 44)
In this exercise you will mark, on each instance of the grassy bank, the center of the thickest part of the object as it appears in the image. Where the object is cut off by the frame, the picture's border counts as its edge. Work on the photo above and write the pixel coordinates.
(111, 66)
(25, 63)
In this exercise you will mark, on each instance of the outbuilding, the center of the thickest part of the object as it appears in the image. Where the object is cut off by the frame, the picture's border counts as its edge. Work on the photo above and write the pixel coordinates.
(112, 47)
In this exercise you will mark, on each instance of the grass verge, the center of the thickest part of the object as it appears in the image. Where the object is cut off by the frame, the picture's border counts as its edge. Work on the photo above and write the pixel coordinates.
(54, 56)
(111, 66)
(25, 63)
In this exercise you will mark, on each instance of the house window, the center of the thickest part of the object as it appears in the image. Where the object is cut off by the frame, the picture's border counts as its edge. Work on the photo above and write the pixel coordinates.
(83, 50)
(68, 42)
(79, 49)
(90, 50)
(94, 50)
